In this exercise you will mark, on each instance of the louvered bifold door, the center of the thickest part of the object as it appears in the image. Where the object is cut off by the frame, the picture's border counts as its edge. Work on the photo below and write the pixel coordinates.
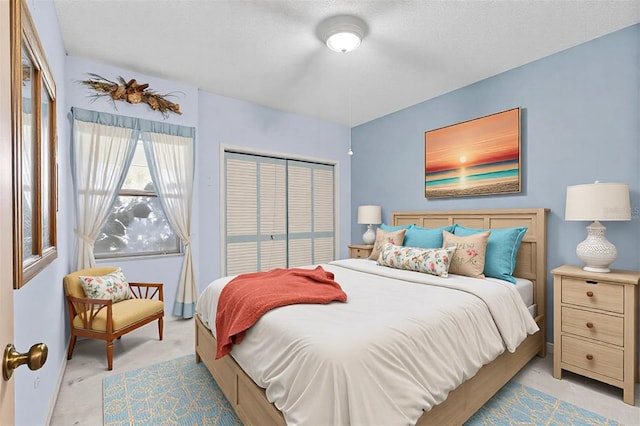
(310, 201)
(255, 213)
(273, 214)
(323, 214)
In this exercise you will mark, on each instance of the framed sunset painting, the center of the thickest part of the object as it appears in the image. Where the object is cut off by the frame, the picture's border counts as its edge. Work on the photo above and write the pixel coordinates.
(476, 157)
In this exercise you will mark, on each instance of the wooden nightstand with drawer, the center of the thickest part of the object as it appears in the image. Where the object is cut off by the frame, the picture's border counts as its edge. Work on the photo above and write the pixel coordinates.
(596, 326)
(360, 251)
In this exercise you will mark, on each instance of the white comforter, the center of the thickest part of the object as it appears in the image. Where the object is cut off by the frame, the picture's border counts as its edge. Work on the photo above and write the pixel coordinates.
(394, 350)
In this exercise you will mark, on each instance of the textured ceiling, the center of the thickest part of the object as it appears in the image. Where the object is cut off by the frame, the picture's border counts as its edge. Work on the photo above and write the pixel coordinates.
(268, 52)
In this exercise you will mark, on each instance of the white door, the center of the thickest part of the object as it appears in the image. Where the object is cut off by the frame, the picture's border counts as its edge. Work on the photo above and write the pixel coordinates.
(7, 396)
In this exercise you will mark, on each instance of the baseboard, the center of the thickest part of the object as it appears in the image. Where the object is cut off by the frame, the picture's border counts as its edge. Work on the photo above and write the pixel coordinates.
(54, 398)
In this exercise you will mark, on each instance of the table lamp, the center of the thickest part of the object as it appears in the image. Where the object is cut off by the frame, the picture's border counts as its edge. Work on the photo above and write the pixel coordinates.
(369, 215)
(597, 202)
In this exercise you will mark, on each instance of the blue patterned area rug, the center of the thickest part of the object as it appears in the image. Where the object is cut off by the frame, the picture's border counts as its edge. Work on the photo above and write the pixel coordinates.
(517, 404)
(176, 392)
(181, 392)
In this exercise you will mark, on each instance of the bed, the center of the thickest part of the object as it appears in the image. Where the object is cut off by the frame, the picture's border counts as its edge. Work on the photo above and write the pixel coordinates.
(250, 401)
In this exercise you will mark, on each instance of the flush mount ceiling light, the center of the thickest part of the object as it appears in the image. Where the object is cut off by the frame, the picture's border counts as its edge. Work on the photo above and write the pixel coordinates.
(342, 33)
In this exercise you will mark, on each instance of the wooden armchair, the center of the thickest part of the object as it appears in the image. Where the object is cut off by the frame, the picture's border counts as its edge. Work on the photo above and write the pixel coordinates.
(106, 320)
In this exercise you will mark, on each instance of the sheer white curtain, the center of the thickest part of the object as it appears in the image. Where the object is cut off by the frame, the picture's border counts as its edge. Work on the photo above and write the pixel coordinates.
(100, 155)
(171, 161)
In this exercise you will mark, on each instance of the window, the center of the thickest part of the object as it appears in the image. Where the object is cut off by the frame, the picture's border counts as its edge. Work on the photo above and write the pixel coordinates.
(34, 145)
(137, 225)
(278, 213)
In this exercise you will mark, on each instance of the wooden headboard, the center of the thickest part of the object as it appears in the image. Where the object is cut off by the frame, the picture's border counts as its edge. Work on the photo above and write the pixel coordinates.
(532, 256)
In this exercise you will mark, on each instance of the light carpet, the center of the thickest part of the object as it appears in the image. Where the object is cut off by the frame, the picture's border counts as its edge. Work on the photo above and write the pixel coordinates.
(181, 392)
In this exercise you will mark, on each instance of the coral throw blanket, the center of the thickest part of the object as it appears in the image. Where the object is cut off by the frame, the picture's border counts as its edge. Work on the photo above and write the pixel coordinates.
(249, 296)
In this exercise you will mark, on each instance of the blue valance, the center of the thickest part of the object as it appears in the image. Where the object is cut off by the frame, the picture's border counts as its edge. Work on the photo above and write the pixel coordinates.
(138, 124)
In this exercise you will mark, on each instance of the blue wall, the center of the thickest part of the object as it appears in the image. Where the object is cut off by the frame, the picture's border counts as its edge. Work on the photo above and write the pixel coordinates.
(580, 123)
(220, 122)
(226, 122)
(40, 311)
(164, 269)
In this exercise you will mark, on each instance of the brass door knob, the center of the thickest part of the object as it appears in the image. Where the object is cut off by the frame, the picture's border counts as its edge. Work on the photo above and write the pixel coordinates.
(35, 358)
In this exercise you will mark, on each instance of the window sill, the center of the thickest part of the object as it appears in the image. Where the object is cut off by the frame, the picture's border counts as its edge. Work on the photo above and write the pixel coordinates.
(137, 258)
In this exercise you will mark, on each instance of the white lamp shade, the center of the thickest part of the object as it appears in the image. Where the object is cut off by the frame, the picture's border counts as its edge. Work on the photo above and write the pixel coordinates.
(598, 201)
(369, 215)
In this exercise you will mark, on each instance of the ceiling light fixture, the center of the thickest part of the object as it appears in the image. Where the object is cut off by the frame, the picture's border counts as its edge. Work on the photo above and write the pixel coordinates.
(342, 33)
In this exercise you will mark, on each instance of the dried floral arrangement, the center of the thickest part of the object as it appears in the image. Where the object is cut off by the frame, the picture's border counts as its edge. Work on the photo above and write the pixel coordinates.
(132, 92)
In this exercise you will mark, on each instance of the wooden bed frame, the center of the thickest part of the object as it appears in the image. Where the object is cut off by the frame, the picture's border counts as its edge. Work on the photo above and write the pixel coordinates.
(250, 401)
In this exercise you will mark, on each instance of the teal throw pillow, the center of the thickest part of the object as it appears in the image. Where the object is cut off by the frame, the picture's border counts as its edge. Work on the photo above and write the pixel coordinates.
(389, 228)
(418, 236)
(502, 250)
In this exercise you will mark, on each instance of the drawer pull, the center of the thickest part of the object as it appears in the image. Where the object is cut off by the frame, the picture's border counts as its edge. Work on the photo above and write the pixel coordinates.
(589, 357)
(589, 294)
(589, 324)
(592, 282)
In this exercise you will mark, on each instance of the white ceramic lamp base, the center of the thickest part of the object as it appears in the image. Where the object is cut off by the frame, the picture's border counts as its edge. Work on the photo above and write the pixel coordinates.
(369, 237)
(596, 251)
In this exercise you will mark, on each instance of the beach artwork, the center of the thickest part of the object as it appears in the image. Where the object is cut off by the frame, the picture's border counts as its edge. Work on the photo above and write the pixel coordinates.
(476, 157)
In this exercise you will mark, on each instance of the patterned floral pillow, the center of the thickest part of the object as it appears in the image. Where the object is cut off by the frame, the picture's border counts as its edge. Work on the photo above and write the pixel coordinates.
(112, 286)
(393, 237)
(469, 256)
(431, 261)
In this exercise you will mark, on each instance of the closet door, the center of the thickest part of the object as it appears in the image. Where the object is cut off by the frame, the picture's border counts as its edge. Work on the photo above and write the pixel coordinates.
(272, 227)
(310, 205)
(279, 213)
(255, 213)
(324, 224)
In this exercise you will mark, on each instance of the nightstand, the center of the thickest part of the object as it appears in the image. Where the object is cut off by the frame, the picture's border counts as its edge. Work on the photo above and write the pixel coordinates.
(596, 326)
(360, 251)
